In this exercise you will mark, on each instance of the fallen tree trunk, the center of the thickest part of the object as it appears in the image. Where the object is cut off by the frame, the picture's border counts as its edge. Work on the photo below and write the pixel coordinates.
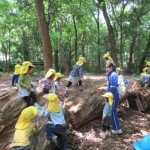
(84, 106)
(10, 107)
(138, 97)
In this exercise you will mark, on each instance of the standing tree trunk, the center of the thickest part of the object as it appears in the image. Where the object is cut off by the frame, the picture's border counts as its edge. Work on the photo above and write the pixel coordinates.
(76, 38)
(129, 62)
(121, 43)
(111, 34)
(83, 43)
(44, 31)
(98, 40)
(64, 60)
(56, 60)
(145, 54)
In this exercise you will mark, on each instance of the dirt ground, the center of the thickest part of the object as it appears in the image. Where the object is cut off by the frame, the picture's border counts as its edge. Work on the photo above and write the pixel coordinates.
(134, 124)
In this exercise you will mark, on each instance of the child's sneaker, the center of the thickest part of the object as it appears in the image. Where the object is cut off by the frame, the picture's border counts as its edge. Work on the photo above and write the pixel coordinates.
(55, 140)
(117, 131)
(108, 133)
(103, 135)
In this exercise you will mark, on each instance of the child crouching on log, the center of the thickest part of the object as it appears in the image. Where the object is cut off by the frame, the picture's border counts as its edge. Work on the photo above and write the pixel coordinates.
(107, 113)
(24, 129)
(56, 125)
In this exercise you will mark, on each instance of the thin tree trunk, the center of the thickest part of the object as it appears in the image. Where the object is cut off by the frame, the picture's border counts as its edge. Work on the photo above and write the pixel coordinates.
(44, 31)
(56, 60)
(130, 57)
(98, 40)
(83, 43)
(145, 54)
(76, 38)
(64, 62)
(111, 34)
(121, 45)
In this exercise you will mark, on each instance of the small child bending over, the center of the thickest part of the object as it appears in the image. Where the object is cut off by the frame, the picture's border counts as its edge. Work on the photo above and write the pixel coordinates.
(107, 113)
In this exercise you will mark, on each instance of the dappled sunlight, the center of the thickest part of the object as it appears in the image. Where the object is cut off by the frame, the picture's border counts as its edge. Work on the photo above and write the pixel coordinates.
(95, 77)
(75, 106)
(89, 136)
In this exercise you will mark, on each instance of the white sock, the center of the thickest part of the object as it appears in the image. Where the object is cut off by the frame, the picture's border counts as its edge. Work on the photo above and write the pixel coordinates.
(36, 104)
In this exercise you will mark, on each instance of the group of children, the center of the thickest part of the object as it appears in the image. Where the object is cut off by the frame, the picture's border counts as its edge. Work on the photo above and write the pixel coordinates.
(52, 86)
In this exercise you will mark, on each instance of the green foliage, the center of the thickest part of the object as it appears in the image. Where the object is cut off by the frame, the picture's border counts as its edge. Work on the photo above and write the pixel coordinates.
(21, 39)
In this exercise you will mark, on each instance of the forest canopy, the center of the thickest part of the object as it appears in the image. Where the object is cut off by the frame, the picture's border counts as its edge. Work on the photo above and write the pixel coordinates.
(57, 32)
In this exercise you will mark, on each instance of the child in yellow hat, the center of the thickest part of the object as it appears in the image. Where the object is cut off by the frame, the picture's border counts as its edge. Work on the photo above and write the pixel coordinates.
(144, 71)
(145, 79)
(76, 75)
(24, 129)
(16, 74)
(47, 83)
(108, 59)
(107, 113)
(56, 125)
(148, 64)
(59, 85)
(25, 87)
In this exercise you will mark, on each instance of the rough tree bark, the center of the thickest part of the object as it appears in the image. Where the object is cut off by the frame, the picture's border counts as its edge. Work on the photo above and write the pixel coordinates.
(44, 31)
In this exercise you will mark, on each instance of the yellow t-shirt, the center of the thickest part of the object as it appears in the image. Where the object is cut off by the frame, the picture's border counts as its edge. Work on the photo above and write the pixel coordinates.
(21, 137)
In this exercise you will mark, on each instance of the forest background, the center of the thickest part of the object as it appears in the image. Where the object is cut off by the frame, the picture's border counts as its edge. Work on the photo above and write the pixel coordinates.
(54, 33)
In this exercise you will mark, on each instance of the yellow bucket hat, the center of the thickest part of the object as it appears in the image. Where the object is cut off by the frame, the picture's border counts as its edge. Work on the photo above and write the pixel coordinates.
(25, 118)
(17, 69)
(148, 64)
(118, 70)
(58, 75)
(107, 56)
(109, 95)
(50, 72)
(25, 66)
(80, 61)
(53, 105)
(145, 69)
